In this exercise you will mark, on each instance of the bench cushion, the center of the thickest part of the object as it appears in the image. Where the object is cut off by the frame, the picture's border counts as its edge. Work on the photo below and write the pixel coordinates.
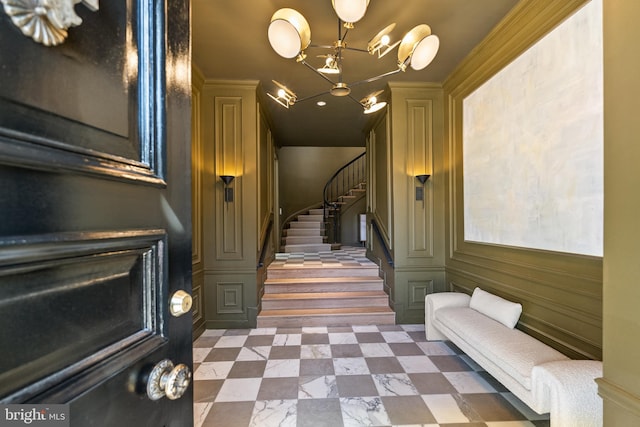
(513, 350)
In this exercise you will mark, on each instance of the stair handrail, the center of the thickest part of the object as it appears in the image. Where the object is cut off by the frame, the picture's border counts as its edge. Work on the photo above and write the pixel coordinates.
(265, 241)
(385, 249)
(349, 175)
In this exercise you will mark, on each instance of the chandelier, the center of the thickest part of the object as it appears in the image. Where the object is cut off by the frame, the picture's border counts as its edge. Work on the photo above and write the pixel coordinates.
(290, 34)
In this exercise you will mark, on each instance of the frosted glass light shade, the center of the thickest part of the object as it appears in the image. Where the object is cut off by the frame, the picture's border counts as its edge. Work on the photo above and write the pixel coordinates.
(350, 10)
(289, 32)
(418, 47)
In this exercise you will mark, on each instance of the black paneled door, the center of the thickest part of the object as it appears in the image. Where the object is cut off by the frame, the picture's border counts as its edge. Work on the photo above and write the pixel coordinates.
(95, 229)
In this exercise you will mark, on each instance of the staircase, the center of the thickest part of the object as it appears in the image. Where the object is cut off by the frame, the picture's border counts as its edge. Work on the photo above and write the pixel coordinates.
(306, 233)
(328, 289)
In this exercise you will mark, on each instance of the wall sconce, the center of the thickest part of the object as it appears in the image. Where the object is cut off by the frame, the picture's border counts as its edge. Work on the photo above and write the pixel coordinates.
(420, 190)
(228, 192)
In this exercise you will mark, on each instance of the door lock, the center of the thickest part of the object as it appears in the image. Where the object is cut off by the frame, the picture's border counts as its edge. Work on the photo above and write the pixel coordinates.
(168, 380)
(180, 303)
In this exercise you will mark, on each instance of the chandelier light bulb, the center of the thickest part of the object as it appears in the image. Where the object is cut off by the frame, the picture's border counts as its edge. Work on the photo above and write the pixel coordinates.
(350, 11)
(281, 93)
(385, 40)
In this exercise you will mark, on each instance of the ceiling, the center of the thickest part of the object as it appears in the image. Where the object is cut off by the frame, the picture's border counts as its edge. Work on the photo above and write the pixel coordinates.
(230, 42)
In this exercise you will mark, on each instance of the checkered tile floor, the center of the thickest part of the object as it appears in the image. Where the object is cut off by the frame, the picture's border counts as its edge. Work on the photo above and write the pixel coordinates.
(345, 376)
(348, 256)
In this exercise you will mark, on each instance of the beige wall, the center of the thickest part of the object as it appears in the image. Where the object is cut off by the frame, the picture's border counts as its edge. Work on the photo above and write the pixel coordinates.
(620, 387)
(304, 171)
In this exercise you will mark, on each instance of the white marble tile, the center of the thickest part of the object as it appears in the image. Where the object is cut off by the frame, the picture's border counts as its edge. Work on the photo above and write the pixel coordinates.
(350, 366)
(254, 353)
(435, 348)
(200, 411)
(287, 339)
(314, 329)
(199, 354)
(376, 350)
(363, 411)
(212, 371)
(239, 390)
(281, 368)
(315, 351)
(396, 337)
(365, 328)
(413, 328)
(444, 408)
(231, 341)
(417, 364)
(342, 338)
(263, 331)
(321, 387)
(468, 382)
(394, 385)
(280, 413)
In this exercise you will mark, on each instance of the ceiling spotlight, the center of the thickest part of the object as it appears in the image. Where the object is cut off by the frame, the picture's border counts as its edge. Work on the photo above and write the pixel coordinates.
(371, 104)
(284, 96)
(330, 65)
(289, 33)
(321, 103)
(418, 48)
(350, 11)
(380, 43)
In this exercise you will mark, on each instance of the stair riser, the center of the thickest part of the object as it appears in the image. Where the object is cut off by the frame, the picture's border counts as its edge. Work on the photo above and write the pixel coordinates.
(289, 273)
(303, 240)
(324, 303)
(316, 212)
(322, 287)
(310, 218)
(305, 224)
(307, 248)
(301, 232)
(327, 320)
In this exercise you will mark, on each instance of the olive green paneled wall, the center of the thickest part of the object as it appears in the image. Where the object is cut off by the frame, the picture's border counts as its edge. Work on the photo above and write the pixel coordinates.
(561, 293)
(620, 387)
(197, 249)
(412, 229)
(236, 141)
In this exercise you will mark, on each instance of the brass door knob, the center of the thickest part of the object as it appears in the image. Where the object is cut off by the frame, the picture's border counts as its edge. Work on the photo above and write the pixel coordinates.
(180, 303)
(168, 380)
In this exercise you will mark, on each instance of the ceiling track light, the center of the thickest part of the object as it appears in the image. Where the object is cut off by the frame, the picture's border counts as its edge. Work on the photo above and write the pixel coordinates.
(289, 34)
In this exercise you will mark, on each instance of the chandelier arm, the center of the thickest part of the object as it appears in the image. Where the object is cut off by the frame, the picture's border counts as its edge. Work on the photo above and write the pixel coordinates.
(317, 72)
(373, 79)
(322, 46)
(355, 49)
(306, 98)
(359, 103)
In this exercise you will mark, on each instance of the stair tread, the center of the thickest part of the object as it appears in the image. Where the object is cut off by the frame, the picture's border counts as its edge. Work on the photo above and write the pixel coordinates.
(354, 279)
(325, 295)
(332, 311)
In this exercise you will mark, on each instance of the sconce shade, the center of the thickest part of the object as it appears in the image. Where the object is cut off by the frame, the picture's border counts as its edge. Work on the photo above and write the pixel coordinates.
(289, 32)
(418, 48)
(350, 11)
(227, 179)
(422, 178)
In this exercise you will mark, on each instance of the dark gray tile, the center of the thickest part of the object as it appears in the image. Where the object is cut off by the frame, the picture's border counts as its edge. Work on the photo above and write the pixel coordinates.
(388, 328)
(454, 347)
(205, 342)
(493, 407)
(223, 354)
(406, 349)
(206, 390)
(308, 339)
(286, 331)
(319, 413)
(497, 385)
(310, 367)
(407, 410)
(417, 336)
(369, 337)
(384, 365)
(338, 329)
(278, 389)
(356, 386)
(345, 350)
(285, 352)
(432, 383)
(248, 369)
(450, 363)
(229, 414)
(237, 332)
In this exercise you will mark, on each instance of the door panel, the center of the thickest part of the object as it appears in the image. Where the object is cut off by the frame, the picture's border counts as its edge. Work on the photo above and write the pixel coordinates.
(95, 232)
